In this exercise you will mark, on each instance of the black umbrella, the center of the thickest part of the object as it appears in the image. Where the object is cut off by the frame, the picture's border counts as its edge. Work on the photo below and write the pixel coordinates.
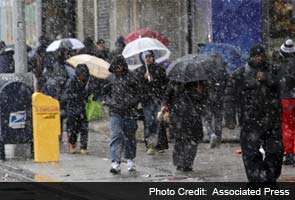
(189, 68)
(197, 67)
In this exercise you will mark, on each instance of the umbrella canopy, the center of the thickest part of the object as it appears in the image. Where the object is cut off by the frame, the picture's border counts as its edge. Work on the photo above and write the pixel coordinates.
(68, 43)
(97, 66)
(190, 68)
(146, 33)
(132, 51)
(231, 55)
(197, 67)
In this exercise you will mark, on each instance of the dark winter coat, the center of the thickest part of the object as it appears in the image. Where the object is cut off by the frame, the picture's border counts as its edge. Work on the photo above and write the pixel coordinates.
(76, 96)
(218, 78)
(286, 74)
(258, 100)
(57, 74)
(38, 62)
(155, 89)
(186, 107)
(7, 63)
(122, 92)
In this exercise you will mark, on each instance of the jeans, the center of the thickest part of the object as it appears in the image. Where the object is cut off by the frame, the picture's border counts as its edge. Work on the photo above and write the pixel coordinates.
(123, 131)
(150, 111)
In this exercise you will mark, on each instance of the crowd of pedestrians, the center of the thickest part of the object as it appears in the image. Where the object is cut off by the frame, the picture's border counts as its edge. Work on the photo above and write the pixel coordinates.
(262, 92)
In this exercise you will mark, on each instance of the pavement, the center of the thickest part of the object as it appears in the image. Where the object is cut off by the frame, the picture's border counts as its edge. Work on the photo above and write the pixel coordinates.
(221, 164)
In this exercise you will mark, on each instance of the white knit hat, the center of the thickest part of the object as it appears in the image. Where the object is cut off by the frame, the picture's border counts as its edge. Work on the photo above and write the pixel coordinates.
(288, 46)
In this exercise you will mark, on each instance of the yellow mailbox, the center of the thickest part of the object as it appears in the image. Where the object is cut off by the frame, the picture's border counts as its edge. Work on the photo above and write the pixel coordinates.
(46, 127)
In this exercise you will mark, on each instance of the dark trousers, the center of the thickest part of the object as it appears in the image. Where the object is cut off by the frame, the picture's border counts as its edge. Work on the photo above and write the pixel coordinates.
(162, 142)
(78, 125)
(259, 169)
(184, 152)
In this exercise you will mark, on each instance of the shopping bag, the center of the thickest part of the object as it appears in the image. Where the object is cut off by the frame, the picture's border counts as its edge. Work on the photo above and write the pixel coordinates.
(94, 109)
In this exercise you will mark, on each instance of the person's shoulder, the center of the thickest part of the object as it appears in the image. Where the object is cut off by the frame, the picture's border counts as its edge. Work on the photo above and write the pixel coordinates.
(240, 72)
(138, 70)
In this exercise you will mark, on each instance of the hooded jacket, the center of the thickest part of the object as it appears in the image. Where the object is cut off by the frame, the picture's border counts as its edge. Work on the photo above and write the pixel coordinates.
(6, 62)
(121, 92)
(76, 93)
(152, 90)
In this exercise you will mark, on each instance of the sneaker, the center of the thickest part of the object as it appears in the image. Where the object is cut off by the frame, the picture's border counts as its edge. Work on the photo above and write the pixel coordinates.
(115, 167)
(289, 159)
(213, 141)
(130, 165)
(84, 151)
(151, 151)
(72, 148)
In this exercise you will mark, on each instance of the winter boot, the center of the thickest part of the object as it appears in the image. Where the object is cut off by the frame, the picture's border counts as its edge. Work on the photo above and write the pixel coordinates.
(130, 165)
(115, 167)
(72, 148)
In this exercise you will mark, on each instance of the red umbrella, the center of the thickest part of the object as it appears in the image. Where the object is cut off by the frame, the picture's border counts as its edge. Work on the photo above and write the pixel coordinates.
(146, 33)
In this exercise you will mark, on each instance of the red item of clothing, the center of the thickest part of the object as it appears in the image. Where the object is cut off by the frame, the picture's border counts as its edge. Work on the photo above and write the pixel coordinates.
(288, 125)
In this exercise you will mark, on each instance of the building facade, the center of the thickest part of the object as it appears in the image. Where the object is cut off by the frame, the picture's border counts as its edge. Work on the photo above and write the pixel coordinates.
(184, 22)
(109, 19)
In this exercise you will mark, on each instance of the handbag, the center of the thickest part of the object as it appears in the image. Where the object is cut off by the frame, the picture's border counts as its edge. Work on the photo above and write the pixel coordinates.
(94, 109)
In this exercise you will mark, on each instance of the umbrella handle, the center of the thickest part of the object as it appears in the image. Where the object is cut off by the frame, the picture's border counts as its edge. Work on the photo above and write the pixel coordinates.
(147, 70)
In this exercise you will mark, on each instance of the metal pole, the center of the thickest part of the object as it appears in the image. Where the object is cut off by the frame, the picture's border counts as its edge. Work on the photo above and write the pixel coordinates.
(39, 18)
(19, 37)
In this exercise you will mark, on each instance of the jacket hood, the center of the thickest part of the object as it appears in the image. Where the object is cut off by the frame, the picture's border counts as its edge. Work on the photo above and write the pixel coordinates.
(120, 41)
(81, 68)
(118, 61)
(143, 54)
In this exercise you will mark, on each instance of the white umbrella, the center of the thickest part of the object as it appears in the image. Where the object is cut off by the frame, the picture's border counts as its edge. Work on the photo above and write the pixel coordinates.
(133, 49)
(69, 43)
